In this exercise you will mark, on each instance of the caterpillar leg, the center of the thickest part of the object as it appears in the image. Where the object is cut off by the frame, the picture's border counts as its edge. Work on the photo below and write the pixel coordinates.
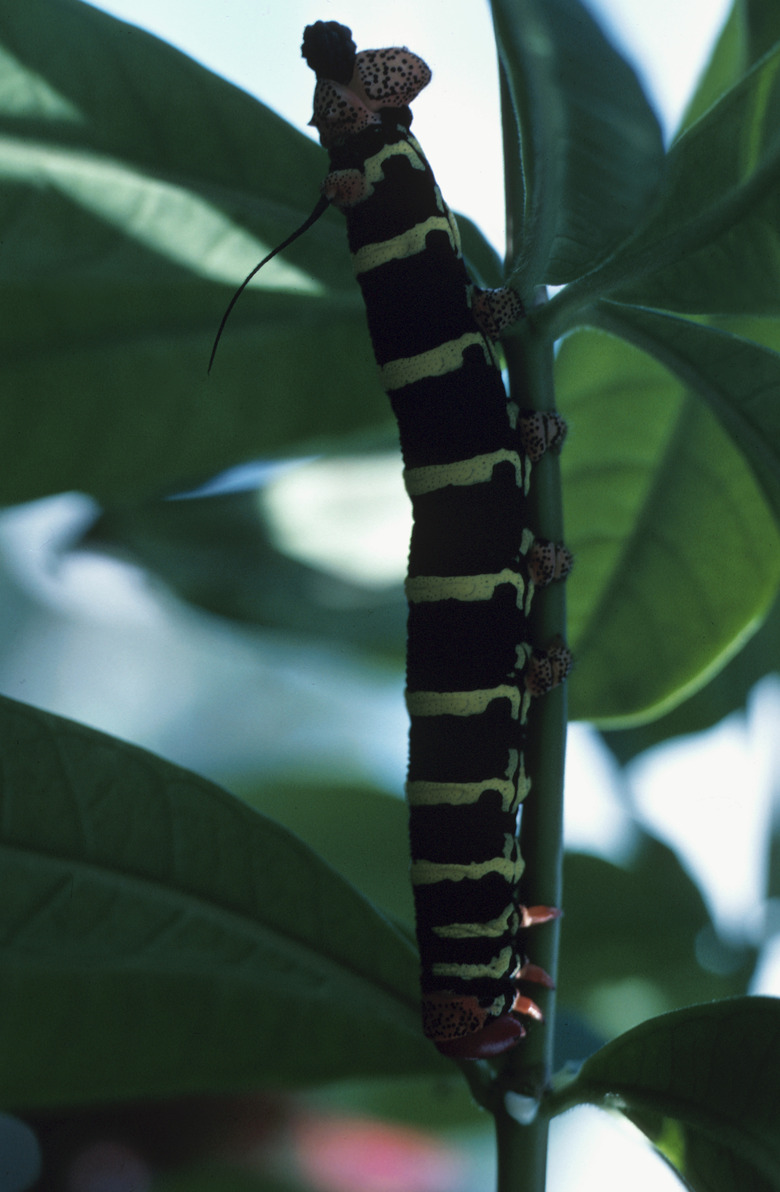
(549, 561)
(534, 916)
(495, 310)
(547, 668)
(540, 431)
(533, 972)
(345, 188)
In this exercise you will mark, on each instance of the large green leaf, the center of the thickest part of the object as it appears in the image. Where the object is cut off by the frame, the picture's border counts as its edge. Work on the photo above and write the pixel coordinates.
(159, 937)
(704, 1084)
(751, 30)
(136, 191)
(656, 501)
(336, 822)
(713, 244)
(727, 64)
(739, 380)
(590, 143)
(727, 692)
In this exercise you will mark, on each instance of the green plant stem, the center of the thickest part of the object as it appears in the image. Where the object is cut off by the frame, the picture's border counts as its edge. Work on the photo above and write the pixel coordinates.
(522, 1149)
(521, 1153)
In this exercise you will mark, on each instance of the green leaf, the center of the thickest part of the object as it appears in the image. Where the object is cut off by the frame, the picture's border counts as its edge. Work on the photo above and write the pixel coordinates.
(728, 62)
(640, 955)
(762, 22)
(336, 822)
(713, 244)
(715, 1072)
(136, 191)
(158, 937)
(725, 693)
(656, 498)
(739, 380)
(590, 143)
(751, 30)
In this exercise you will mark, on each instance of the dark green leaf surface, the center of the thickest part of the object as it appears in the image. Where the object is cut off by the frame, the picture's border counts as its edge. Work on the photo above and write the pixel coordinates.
(727, 63)
(761, 20)
(725, 693)
(590, 143)
(338, 823)
(656, 498)
(752, 28)
(713, 245)
(159, 937)
(715, 1071)
(740, 381)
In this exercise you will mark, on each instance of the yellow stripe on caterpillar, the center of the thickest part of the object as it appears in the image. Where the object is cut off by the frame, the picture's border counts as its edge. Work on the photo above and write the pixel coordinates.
(373, 168)
(508, 920)
(421, 589)
(477, 470)
(436, 362)
(462, 703)
(472, 972)
(398, 248)
(461, 794)
(426, 873)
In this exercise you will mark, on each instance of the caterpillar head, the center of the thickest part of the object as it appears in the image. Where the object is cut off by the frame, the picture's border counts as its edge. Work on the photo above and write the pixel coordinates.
(353, 89)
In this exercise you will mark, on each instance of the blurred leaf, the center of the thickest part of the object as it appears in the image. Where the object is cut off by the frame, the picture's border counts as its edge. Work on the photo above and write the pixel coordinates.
(655, 499)
(726, 692)
(630, 940)
(726, 65)
(752, 28)
(762, 22)
(21, 1154)
(217, 552)
(159, 937)
(438, 1102)
(590, 143)
(715, 1072)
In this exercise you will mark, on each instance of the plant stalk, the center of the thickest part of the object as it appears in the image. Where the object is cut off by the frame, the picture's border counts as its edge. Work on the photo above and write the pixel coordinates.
(522, 1148)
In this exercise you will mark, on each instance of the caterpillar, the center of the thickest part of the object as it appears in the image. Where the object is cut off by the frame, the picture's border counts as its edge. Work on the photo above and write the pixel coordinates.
(473, 561)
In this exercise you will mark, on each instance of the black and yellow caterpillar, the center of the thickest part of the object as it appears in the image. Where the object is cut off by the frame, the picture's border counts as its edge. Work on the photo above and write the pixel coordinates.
(473, 561)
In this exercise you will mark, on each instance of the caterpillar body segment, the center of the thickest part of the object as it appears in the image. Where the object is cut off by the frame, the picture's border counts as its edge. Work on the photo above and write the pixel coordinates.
(474, 562)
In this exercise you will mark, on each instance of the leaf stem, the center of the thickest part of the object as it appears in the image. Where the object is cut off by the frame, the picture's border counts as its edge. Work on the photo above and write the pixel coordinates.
(522, 1148)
